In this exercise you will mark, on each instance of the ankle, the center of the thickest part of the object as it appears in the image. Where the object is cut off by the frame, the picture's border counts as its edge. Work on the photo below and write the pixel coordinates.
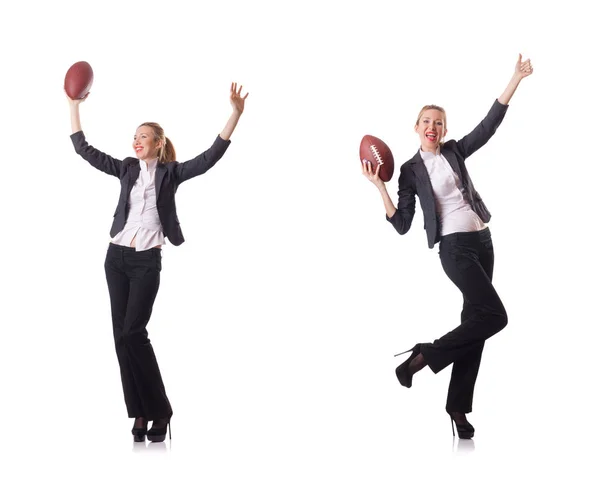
(459, 418)
(418, 363)
(160, 422)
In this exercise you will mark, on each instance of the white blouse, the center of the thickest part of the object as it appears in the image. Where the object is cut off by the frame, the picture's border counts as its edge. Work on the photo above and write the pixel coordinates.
(143, 222)
(454, 211)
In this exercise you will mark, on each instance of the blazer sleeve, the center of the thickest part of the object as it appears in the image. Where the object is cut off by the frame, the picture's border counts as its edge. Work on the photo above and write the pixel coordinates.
(96, 158)
(402, 218)
(202, 163)
(484, 131)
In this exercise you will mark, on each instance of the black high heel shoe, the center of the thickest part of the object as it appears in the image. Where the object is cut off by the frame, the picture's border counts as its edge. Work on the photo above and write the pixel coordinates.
(403, 372)
(139, 433)
(465, 430)
(159, 433)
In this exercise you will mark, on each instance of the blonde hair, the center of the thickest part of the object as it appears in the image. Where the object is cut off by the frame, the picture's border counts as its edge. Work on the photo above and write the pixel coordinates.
(433, 107)
(166, 153)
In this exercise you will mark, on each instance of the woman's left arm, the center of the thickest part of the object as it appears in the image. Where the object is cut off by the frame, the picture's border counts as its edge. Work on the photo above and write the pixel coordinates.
(479, 136)
(202, 163)
(522, 70)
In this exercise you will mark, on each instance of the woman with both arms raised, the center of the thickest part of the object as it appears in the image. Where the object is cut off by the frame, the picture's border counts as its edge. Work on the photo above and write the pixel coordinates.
(145, 216)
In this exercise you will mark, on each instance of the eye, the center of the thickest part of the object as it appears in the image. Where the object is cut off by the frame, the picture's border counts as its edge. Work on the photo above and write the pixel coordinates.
(440, 123)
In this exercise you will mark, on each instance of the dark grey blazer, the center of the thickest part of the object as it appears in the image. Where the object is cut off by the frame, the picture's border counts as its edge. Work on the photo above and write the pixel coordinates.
(167, 178)
(414, 179)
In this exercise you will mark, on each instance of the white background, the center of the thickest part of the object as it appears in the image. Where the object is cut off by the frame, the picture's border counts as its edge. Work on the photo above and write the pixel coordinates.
(277, 319)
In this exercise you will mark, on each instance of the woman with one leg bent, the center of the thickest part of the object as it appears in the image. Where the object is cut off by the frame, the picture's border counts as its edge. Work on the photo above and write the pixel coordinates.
(456, 217)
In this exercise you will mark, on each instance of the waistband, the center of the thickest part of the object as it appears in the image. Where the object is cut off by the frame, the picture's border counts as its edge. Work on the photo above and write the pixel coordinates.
(484, 234)
(121, 248)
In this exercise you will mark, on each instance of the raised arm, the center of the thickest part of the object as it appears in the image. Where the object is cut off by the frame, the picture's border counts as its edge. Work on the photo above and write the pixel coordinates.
(237, 102)
(488, 126)
(522, 69)
(74, 108)
(202, 163)
(96, 158)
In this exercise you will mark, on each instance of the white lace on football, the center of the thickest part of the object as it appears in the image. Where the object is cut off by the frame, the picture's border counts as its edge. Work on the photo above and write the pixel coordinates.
(376, 154)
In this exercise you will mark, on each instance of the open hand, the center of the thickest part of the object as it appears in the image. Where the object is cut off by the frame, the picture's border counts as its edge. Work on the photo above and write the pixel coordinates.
(237, 101)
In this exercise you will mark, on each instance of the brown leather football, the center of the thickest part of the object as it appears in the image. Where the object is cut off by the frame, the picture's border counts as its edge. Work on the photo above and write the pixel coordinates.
(78, 80)
(376, 150)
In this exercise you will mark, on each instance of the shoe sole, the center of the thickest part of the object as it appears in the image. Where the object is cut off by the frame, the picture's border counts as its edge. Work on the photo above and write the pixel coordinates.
(157, 438)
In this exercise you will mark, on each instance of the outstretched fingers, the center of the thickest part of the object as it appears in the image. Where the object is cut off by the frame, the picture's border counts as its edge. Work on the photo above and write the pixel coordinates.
(237, 92)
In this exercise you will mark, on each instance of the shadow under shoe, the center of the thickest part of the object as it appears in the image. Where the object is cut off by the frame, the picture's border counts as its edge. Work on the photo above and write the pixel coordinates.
(412, 365)
(463, 427)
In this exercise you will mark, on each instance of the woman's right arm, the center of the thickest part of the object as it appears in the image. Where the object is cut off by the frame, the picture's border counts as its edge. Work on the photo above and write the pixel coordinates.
(96, 158)
(367, 169)
(401, 217)
(74, 107)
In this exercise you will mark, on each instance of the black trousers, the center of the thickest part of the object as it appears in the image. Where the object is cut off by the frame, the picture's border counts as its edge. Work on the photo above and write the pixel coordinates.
(133, 279)
(468, 260)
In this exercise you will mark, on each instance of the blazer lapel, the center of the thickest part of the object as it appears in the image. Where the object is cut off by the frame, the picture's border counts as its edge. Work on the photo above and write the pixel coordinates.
(161, 171)
(424, 189)
(451, 158)
(421, 173)
(133, 174)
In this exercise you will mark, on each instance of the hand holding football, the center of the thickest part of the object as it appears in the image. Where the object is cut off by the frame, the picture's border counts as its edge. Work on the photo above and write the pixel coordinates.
(78, 80)
(378, 153)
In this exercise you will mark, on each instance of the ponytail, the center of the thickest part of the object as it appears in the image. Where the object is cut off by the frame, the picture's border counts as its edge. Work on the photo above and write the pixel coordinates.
(167, 152)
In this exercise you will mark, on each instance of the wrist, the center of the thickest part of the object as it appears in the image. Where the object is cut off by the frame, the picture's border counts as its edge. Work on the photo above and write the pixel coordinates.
(516, 78)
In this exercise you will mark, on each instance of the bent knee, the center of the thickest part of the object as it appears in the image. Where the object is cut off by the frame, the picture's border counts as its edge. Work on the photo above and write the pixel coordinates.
(501, 320)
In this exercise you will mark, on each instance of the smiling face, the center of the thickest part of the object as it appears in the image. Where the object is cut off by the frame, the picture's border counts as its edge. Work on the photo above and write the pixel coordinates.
(145, 144)
(431, 127)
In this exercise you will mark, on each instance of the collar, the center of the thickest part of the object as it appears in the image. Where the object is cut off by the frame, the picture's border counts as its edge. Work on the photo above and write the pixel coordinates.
(151, 164)
(429, 155)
